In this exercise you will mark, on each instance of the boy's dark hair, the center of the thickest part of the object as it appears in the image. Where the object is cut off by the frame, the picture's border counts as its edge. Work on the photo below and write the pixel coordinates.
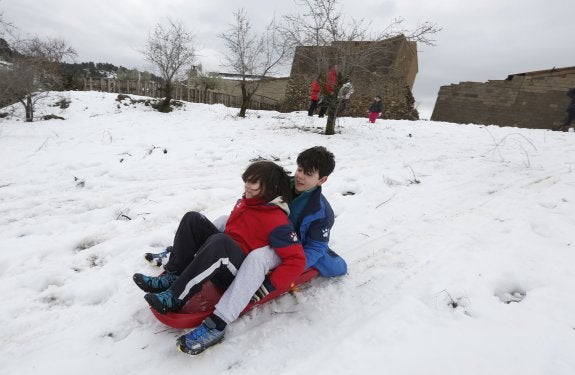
(317, 158)
(274, 180)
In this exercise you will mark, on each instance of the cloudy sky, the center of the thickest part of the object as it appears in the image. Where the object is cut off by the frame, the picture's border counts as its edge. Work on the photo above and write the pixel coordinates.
(480, 41)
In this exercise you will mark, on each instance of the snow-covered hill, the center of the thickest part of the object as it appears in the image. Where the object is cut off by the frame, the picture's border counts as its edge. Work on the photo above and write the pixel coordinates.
(460, 241)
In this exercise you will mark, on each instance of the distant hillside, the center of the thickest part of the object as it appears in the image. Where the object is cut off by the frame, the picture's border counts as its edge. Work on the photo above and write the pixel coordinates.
(73, 74)
(5, 51)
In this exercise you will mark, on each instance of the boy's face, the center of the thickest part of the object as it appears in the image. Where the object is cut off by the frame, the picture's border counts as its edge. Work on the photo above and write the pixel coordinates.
(307, 181)
(251, 189)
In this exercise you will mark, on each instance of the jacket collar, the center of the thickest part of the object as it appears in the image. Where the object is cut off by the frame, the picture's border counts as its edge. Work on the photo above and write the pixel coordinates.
(277, 201)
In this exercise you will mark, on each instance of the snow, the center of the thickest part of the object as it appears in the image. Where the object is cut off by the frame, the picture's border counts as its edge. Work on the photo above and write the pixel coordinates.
(459, 240)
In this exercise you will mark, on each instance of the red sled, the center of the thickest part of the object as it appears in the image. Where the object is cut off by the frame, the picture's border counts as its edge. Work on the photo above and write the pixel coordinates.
(202, 304)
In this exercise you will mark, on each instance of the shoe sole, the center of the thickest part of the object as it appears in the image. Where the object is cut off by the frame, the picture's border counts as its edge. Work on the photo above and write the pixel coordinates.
(155, 304)
(160, 307)
(186, 350)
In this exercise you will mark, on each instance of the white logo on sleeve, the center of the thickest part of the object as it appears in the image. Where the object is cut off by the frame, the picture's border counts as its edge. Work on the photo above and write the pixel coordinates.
(293, 236)
(325, 232)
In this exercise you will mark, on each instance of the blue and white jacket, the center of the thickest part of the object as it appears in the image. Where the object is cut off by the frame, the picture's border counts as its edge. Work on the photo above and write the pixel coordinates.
(313, 227)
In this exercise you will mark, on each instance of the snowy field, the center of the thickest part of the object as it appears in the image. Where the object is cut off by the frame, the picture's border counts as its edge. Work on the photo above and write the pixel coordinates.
(460, 241)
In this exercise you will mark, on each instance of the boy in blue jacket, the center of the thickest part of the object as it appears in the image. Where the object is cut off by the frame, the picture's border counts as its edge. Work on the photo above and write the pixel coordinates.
(312, 218)
(310, 212)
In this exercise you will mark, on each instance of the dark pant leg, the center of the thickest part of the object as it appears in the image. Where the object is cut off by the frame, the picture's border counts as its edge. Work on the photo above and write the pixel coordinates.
(324, 105)
(341, 107)
(568, 120)
(312, 107)
(192, 233)
(220, 257)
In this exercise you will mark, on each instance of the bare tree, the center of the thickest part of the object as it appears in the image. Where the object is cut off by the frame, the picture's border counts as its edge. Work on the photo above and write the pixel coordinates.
(349, 45)
(4, 25)
(33, 71)
(170, 48)
(253, 56)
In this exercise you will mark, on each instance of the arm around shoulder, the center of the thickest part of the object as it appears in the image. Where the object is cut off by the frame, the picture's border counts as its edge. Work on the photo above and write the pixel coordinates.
(287, 246)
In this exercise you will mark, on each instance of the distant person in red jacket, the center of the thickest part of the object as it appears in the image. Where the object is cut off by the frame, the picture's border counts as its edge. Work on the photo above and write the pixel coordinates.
(314, 95)
(331, 81)
(328, 93)
(201, 252)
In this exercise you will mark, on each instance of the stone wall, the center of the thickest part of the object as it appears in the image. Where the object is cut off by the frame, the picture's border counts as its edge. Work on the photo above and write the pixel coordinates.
(387, 68)
(269, 87)
(529, 100)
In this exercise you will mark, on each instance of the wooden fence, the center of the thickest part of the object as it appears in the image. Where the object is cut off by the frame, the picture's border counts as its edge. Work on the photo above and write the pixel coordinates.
(180, 92)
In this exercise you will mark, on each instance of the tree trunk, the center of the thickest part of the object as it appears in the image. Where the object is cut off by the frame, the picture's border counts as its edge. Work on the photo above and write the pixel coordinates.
(29, 109)
(331, 115)
(165, 104)
(245, 101)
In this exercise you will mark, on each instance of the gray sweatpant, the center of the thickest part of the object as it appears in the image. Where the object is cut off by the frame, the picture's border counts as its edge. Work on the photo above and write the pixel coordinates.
(249, 278)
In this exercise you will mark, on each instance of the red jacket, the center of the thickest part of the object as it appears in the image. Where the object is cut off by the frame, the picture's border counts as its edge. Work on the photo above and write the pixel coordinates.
(331, 80)
(254, 223)
(315, 89)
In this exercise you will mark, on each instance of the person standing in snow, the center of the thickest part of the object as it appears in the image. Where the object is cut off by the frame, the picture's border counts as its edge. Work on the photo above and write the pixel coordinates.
(202, 252)
(328, 91)
(570, 111)
(343, 96)
(331, 81)
(375, 109)
(314, 95)
(312, 216)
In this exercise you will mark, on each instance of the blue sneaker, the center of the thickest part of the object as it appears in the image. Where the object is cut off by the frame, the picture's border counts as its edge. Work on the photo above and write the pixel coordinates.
(200, 338)
(155, 284)
(164, 302)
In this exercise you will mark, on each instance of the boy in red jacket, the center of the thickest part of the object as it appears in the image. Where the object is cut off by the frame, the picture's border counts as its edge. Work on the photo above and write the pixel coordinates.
(201, 252)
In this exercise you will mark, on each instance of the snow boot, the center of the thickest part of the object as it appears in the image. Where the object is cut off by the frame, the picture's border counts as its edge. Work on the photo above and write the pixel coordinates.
(158, 259)
(200, 338)
(164, 302)
(155, 284)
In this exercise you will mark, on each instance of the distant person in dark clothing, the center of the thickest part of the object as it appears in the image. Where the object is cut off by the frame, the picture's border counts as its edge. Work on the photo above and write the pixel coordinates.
(375, 109)
(570, 110)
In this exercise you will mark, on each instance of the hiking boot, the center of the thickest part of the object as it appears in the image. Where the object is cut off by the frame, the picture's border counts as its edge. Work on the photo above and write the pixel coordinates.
(158, 259)
(200, 338)
(164, 302)
(155, 284)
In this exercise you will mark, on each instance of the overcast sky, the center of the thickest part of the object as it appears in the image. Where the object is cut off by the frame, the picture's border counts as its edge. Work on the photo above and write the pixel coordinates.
(480, 41)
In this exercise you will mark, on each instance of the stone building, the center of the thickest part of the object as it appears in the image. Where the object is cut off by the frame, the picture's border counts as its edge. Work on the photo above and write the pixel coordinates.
(386, 67)
(269, 87)
(528, 100)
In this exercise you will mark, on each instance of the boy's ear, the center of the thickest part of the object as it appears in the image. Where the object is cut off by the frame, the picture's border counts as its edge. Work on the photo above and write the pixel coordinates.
(322, 180)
